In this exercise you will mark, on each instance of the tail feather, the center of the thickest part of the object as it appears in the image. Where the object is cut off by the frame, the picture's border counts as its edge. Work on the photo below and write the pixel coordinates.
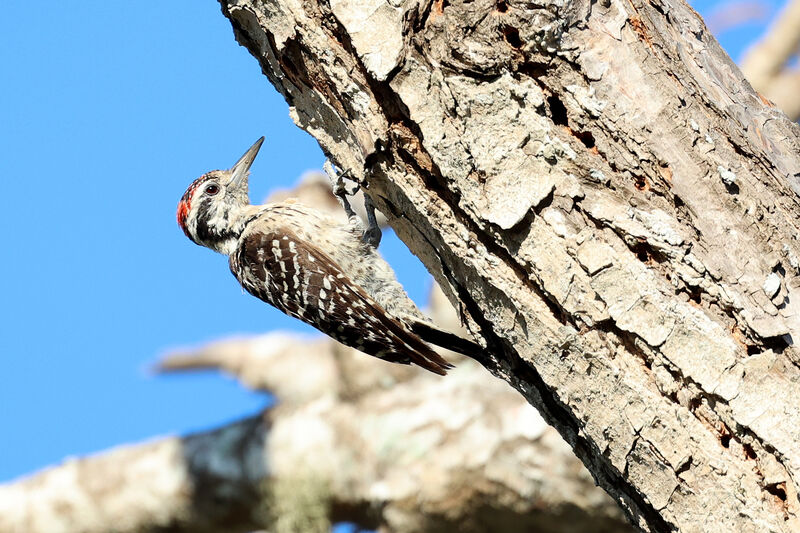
(416, 351)
(433, 362)
(445, 339)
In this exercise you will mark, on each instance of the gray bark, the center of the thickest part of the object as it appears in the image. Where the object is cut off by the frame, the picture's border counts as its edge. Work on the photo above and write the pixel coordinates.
(609, 204)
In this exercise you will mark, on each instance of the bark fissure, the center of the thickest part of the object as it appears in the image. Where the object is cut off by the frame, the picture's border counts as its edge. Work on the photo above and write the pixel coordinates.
(433, 181)
(694, 397)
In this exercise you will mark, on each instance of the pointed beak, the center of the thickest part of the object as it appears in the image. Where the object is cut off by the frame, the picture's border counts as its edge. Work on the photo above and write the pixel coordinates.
(240, 170)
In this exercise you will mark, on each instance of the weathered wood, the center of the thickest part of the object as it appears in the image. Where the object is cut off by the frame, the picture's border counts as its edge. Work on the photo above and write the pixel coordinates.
(611, 206)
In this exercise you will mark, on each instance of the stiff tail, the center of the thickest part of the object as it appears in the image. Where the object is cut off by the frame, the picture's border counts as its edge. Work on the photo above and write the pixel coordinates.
(447, 340)
(432, 361)
(415, 350)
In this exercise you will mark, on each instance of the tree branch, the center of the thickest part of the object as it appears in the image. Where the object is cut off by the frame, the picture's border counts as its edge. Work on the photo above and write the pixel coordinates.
(411, 455)
(765, 64)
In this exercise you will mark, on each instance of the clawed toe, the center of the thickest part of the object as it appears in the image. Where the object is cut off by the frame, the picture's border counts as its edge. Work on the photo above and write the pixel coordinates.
(338, 180)
(372, 235)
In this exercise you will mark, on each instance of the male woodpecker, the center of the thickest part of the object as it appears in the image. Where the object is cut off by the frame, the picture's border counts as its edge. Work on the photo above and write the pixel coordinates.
(314, 268)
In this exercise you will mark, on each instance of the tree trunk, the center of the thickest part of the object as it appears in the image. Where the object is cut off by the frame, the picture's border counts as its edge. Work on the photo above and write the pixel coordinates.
(609, 204)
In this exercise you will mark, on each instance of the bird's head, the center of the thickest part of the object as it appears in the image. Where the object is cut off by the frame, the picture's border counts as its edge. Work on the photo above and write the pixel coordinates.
(210, 211)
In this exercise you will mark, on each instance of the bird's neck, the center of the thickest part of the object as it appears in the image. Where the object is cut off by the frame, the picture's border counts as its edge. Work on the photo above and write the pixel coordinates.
(228, 231)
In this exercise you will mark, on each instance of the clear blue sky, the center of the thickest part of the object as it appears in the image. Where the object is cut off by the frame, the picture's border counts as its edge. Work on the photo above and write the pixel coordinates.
(108, 110)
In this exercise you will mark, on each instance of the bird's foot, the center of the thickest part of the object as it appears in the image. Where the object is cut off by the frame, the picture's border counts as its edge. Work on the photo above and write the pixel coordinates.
(372, 235)
(339, 187)
(339, 180)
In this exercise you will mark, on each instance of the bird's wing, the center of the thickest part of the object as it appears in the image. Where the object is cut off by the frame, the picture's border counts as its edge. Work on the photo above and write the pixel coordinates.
(306, 283)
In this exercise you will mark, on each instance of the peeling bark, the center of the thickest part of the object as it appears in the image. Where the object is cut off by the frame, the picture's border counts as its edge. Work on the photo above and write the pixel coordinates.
(609, 204)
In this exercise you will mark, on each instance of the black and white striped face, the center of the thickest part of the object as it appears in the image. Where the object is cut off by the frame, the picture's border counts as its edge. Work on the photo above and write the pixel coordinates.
(210, 208)
(210, 211)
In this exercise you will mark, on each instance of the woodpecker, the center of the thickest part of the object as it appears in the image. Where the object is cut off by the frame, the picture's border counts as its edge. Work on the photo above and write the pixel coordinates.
(313, 268)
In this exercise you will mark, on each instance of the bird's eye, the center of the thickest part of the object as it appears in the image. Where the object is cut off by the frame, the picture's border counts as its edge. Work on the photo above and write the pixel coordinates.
(212, 189)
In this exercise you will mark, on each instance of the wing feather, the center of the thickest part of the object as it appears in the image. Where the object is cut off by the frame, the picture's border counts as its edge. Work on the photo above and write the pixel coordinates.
(306, 283)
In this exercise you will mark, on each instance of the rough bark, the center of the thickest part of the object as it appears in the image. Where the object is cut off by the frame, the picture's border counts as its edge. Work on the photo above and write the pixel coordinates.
(380, 445)
(610, 205)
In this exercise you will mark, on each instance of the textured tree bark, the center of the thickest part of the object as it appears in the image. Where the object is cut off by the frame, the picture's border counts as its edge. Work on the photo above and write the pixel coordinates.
(609, 204)
(380, 445)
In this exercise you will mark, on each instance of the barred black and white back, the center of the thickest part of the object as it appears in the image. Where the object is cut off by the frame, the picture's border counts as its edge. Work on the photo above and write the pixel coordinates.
(314, 268)
(301, 280)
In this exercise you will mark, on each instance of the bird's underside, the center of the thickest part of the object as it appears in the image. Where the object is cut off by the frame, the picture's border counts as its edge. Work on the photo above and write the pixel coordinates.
(278, 267)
